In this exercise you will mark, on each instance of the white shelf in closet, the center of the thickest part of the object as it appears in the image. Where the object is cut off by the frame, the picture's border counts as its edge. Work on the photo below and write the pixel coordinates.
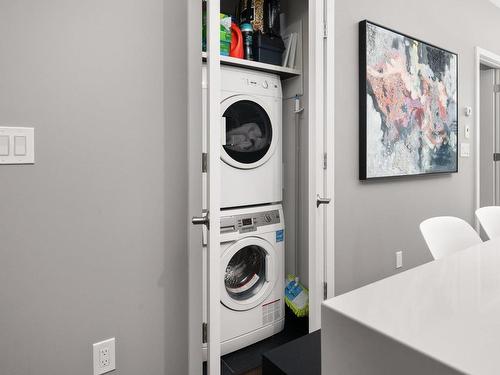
(282, 71)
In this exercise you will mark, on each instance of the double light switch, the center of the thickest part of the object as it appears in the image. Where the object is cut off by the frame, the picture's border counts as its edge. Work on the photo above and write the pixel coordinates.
(17, 145)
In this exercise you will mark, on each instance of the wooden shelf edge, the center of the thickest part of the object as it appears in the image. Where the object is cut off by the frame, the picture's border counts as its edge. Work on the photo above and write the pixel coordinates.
(283, 72)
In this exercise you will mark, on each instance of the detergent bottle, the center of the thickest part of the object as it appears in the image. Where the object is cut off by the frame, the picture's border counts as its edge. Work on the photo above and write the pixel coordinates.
(236, 42)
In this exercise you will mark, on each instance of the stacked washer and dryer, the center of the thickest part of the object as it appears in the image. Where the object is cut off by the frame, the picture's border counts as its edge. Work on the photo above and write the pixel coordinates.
(252, 223)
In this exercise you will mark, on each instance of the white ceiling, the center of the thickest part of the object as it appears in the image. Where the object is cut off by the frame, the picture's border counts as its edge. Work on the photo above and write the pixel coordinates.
(496, 2)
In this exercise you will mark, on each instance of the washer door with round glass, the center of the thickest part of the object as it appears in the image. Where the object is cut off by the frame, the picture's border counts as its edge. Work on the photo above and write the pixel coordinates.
(249, 275)
(248, 136)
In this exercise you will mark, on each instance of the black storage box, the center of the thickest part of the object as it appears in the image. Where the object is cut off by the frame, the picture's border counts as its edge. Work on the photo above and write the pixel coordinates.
(268, 49)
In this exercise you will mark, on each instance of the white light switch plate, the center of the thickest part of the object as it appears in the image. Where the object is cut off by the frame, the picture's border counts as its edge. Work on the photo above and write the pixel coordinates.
(467, 132)
(104, 356)
(465, 150)
(21, 145)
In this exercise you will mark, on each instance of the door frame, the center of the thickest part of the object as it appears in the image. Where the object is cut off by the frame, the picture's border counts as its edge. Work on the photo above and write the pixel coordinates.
(321, 159)
(491, 59)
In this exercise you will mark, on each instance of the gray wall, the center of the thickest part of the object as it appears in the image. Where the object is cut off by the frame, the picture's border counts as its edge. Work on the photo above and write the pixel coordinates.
(89, 236)
(375, 219)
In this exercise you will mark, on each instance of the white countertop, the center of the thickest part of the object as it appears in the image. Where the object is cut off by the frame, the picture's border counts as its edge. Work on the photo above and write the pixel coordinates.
(447, 309)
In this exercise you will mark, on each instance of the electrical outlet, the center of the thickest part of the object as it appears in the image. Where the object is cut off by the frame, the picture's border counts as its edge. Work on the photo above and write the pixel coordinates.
(399, 259)
(104, 356)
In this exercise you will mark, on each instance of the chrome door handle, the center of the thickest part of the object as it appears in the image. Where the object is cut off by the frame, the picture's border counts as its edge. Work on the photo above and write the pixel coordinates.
(321, 200)
(201, 220)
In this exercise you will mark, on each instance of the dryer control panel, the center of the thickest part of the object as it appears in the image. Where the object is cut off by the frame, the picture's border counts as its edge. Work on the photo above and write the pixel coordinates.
(249, 222)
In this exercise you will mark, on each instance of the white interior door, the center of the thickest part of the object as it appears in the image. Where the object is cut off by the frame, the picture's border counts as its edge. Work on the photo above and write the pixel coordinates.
(195, 204)
(497, 136)
(487, 137)
(329, 145)
(211, 218)
(490, 137)
(320, 178)
(213, 193)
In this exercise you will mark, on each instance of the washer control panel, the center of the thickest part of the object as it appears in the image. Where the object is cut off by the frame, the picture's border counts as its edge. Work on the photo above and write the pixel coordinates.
(249, 222)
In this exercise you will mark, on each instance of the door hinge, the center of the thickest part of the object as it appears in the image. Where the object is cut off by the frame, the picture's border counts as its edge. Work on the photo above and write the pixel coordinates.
(496, 156)
(204, 162)
(325, 30)
(325, 290)
(325, 160)
(204, 332)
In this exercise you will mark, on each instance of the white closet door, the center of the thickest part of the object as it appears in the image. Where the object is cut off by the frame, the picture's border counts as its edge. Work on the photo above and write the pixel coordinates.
(320, 156)
(211, 218)
(329, 145)
(214, 199)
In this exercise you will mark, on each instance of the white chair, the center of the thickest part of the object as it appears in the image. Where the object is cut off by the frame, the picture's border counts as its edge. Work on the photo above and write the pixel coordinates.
(445, 235)
(489, 217)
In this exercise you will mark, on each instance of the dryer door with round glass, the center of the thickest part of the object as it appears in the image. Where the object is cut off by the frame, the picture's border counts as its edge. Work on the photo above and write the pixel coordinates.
(249, 274)
(248, 133)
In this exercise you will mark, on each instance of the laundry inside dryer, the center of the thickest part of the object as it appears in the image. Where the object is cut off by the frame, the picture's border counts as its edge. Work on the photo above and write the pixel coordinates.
(248, 131)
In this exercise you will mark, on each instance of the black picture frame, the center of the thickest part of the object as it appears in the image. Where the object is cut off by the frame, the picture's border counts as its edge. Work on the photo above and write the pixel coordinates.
(363, 90)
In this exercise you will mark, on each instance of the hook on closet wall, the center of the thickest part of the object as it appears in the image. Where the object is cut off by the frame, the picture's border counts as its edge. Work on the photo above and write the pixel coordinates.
(298, 108)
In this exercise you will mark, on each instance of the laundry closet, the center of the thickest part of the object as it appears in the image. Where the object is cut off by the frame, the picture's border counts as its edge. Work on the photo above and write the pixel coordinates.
(259, 182)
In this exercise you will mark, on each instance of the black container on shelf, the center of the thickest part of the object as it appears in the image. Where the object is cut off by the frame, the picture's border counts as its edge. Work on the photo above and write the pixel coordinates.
(267, 49)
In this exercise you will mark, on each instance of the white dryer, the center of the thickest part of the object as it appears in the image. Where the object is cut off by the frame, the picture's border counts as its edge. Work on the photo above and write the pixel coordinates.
(253, 280)
(251, 109)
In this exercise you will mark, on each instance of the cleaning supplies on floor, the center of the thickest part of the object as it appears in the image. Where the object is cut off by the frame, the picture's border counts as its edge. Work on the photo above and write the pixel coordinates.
(296, 296)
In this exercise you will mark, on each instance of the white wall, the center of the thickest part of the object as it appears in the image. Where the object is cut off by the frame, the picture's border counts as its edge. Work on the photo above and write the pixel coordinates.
(89, 235)
(374, 219)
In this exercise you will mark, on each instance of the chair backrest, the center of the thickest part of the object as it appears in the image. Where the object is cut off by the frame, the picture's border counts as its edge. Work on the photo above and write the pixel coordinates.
(489, 217)
(445, 235)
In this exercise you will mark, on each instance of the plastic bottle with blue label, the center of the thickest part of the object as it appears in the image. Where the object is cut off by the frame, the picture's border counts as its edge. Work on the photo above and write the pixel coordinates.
(247, 32)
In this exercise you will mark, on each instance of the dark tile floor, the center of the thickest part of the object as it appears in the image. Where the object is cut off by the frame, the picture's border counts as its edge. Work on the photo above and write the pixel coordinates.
(297, 357)
(248, 361)
(257, 371)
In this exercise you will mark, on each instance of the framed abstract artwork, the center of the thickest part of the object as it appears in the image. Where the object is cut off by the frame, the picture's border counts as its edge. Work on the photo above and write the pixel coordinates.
(408, 105)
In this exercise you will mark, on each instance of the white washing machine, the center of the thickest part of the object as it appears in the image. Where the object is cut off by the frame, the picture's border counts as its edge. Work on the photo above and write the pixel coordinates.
(251, 137)
(253, 280)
